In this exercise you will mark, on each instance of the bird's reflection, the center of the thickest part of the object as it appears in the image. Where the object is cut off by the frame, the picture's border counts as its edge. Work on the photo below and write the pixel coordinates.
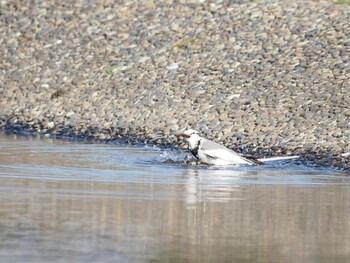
(212, 185)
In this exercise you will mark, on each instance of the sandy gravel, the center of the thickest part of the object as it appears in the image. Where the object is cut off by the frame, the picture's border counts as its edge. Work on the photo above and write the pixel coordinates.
(264, 77)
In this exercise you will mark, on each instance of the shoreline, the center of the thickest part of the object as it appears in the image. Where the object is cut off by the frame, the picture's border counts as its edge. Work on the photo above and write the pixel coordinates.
(267, 78)
(309, 159)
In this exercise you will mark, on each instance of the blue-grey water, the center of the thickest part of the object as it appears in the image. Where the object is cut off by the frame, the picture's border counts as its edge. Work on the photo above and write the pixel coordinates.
(66, 201)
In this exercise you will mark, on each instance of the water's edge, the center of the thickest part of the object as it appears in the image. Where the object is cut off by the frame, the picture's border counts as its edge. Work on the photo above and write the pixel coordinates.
(122, 136)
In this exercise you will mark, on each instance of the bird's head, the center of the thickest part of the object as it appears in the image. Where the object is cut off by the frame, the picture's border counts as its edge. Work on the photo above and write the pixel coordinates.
(190, 136)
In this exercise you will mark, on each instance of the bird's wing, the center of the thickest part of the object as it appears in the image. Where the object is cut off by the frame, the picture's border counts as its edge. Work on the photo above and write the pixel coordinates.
(214, 150)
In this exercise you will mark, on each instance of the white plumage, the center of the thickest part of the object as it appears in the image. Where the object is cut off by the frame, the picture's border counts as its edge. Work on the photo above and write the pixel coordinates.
(210, 152)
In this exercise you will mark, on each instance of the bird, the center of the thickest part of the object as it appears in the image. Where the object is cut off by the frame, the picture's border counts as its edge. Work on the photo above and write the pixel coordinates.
(212, 153)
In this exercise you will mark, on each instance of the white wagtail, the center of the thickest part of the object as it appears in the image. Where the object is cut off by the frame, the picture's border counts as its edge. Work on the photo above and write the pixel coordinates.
(210, 152)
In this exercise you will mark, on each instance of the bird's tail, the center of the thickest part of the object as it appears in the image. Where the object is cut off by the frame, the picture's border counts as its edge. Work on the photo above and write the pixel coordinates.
(280, 158)
(346, 154)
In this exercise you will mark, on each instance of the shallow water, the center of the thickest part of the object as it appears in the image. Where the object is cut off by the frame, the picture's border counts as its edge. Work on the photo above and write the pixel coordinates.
(66, 201)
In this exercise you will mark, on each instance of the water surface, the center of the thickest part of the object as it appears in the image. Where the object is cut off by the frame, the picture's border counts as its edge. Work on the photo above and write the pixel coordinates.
(66, 201)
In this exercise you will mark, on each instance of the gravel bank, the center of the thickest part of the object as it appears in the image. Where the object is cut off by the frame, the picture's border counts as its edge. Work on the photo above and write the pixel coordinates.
(265, 77)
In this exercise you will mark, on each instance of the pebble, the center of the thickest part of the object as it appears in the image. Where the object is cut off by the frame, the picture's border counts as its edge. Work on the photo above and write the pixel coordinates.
(269, 77)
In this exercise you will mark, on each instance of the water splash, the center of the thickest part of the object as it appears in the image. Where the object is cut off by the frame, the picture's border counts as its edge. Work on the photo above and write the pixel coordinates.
(170, 157)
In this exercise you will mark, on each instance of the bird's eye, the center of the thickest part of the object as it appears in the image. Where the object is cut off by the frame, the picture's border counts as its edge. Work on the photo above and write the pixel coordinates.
(187, 136)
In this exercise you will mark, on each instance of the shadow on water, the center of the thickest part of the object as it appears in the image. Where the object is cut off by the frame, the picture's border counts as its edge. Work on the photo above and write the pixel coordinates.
(64, 201)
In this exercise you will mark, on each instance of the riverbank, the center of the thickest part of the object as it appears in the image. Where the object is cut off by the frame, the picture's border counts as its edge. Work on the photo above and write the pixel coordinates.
(265, 78)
